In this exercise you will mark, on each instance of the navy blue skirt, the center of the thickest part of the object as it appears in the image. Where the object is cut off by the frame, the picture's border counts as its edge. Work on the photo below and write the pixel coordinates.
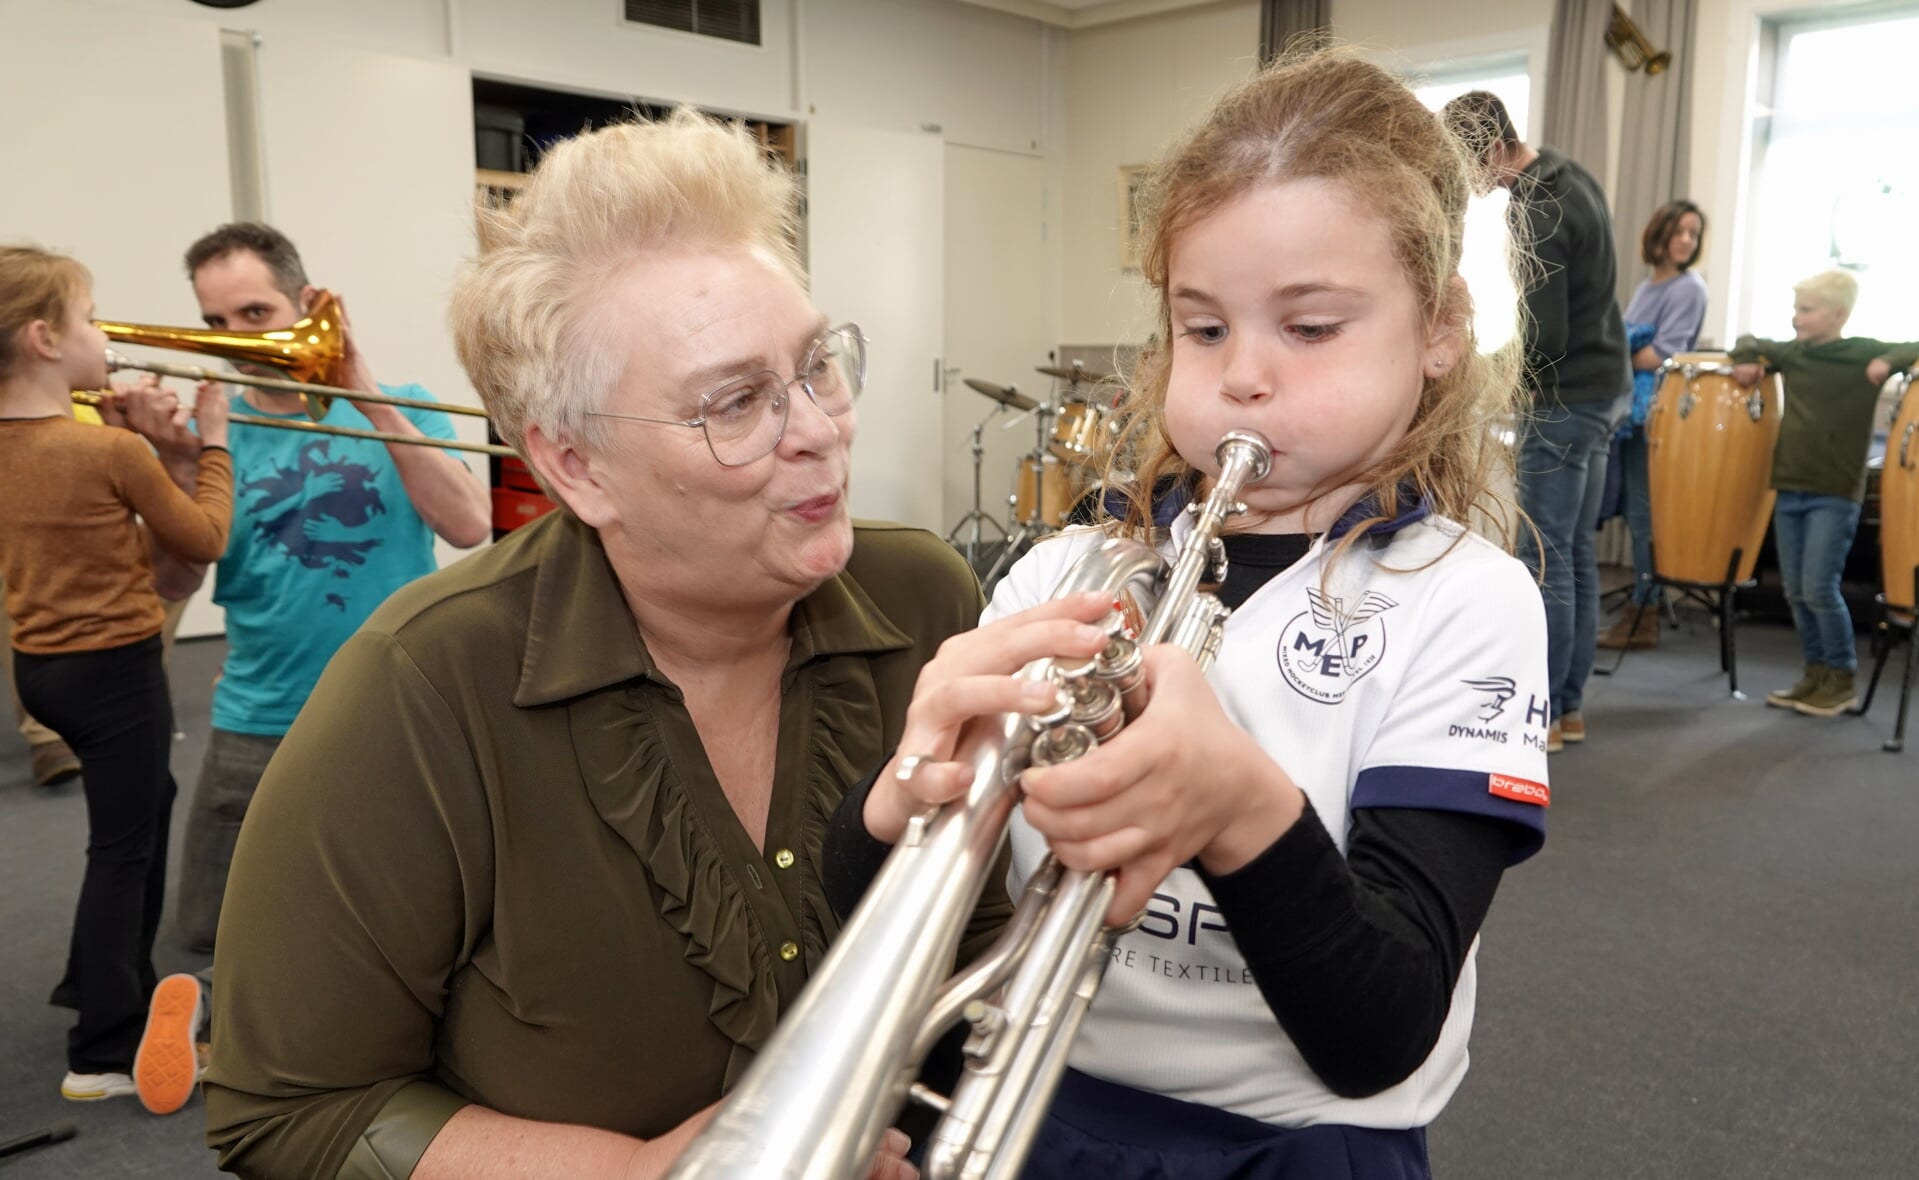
(1112, 1132)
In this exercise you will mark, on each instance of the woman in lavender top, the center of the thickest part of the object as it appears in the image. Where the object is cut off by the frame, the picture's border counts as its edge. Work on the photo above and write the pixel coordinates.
(1672, 303)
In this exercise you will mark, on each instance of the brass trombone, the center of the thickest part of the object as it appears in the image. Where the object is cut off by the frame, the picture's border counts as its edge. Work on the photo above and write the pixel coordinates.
(309, 353)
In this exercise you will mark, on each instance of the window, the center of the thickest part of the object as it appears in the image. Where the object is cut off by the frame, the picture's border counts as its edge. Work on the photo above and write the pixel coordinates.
(1504, 76)
(1835, 181)
(1484, 264)
(733, 20)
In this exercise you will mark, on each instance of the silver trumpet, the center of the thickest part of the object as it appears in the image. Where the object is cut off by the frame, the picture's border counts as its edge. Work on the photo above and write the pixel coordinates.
(817, 1099)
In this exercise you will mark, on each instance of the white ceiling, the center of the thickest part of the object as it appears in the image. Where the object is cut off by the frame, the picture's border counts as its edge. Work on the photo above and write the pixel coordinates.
(1079, 14)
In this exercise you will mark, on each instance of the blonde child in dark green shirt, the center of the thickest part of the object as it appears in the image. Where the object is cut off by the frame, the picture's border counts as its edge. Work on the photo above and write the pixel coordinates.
(1819, 469)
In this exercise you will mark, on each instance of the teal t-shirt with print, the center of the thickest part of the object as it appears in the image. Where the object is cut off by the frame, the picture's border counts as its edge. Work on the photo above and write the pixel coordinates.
(322, 533)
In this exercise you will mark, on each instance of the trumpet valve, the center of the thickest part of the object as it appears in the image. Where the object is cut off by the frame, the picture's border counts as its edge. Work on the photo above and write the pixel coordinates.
(1063, 743)
(988, 1021)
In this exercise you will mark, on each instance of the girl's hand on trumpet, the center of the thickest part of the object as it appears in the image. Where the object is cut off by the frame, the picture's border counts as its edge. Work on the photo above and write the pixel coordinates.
(155, 412)
(1179, 781)
(210, 413)
(973, 675)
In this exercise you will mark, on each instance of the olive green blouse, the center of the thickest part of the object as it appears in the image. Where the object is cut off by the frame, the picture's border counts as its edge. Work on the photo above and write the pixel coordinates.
(491, 862)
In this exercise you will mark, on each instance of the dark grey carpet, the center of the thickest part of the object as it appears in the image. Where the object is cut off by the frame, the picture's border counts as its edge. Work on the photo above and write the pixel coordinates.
(43, 840)
(1711, 970)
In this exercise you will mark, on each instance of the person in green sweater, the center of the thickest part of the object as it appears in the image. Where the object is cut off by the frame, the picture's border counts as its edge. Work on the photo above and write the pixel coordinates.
(1819, 470)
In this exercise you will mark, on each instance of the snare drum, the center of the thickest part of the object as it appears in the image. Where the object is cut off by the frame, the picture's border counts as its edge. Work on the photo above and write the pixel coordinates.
(1046, 495)
(1709, 450)
(1899, 500)
(1076, 432)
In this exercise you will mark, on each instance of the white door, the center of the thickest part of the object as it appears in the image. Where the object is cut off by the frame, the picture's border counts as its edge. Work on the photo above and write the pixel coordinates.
(369, 163)
(116, 150)
(1000, 317)
(875, 203)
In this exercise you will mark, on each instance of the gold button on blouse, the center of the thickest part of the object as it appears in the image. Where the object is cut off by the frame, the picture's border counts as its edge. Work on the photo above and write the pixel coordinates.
(789, 951)
(784, 858)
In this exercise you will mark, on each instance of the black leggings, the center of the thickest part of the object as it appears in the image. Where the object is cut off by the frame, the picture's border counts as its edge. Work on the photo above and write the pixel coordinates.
(112, 707)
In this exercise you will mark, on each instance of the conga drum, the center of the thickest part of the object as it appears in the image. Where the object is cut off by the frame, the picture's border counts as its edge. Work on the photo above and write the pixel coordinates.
(1709, 450)
(1899, 500)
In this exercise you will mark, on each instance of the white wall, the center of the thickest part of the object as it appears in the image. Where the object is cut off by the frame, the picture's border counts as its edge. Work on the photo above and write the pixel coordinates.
(1130, 89)
(1424, 32)
(413, 27)
(978, 75)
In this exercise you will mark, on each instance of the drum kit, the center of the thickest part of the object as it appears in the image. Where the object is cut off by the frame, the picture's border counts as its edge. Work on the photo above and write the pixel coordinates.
(1054, 478)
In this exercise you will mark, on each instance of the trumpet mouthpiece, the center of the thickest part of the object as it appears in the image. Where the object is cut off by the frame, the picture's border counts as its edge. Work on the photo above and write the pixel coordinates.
(1252, 441)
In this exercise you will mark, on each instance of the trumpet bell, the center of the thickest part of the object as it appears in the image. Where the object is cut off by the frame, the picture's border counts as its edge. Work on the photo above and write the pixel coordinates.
(310, 350)
(1635, 51)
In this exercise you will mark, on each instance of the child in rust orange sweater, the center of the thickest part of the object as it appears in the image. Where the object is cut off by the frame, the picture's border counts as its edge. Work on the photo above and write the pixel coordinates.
(86, 631)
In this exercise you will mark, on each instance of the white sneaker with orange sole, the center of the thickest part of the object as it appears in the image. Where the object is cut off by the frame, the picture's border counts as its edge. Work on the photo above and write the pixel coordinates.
(168, 1065)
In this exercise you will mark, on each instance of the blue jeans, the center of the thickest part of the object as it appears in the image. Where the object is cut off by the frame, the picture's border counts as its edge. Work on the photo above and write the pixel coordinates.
(1562, 471)
(1814, 534)
(1637, 487)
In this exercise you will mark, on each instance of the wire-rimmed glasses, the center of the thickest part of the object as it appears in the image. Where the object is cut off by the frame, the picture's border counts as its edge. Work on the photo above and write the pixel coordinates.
(745, 419)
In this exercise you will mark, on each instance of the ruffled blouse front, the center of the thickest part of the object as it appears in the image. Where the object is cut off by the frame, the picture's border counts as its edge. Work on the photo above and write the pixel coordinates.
(491, 862)
(647, 774)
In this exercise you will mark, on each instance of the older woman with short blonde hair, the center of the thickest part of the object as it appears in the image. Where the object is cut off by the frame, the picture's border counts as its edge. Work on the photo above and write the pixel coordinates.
(538, 867)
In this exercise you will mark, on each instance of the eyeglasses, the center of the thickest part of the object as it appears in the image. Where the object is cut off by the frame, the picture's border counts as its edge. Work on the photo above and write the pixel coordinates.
(746, 418)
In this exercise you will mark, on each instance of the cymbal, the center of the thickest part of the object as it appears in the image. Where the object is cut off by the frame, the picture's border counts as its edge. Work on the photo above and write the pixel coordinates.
(1005, 395)
(1076, 373)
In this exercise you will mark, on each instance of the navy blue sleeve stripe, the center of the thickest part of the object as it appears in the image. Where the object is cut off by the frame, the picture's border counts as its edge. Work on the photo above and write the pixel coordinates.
(1444, 789)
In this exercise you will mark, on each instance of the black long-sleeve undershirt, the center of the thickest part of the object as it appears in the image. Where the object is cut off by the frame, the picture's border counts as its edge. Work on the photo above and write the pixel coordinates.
(1356, 956)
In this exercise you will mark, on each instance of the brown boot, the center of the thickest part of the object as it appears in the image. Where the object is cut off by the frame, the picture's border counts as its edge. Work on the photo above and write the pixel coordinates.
(1623, 636)
(54, 763)
(1832, 696)
(1786, 698)
(1572, 727)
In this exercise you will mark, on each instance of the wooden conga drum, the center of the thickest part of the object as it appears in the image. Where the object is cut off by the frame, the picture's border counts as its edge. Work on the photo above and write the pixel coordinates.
(1899, 500)
(1709, 450)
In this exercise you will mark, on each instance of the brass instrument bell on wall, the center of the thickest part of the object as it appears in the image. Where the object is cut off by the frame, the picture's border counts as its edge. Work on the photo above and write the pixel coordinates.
(1626, 40)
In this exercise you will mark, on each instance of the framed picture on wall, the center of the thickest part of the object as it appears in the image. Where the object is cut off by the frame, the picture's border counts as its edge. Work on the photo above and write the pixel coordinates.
(1131, 177)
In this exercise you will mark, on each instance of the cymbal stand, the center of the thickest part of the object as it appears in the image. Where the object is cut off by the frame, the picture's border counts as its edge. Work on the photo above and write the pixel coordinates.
(1034, 527)
(978, 515)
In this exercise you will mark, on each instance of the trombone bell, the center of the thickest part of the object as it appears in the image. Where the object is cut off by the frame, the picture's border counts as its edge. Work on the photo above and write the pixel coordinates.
(310, 350)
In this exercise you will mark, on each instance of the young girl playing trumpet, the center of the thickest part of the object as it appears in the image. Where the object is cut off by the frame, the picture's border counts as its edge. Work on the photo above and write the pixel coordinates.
(1313, 830)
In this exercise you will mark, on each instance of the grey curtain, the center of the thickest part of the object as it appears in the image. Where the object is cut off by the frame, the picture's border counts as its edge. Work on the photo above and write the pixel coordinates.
(1574, 118)
(1656, 133)
(1280, 21)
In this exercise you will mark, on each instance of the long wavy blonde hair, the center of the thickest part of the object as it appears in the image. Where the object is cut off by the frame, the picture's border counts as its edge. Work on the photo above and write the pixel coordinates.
(1330, 116)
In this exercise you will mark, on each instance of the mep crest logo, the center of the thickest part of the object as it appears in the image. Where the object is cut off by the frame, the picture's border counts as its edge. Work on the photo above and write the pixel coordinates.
(1326, 648)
